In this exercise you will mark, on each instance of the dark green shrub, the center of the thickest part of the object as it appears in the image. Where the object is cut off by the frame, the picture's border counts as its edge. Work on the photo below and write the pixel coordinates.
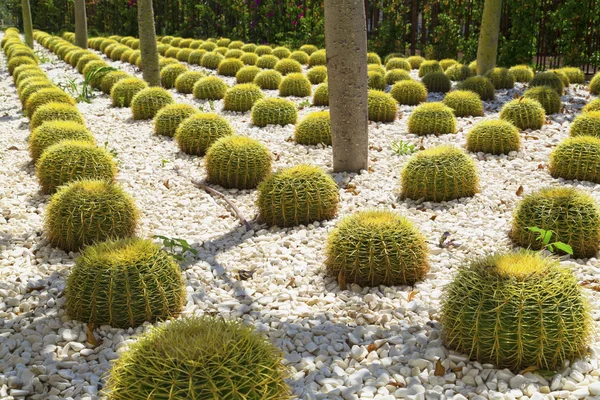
(494, 137)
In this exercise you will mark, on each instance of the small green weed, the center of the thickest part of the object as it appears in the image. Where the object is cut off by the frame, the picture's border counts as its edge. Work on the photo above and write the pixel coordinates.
(545, 236)
(171, 244)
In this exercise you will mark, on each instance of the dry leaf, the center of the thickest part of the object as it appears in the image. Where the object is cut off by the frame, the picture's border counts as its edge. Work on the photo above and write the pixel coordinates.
(289, 139)
(277, 156)
(541, 166)
(371, 347)
(412, 295)
(591, 284)
(91, 339)
(377, 148)
(520, 190)
(433, 217)
(166, 184)
(291, 283)
(396, 384)
(439, 368)
(529, 369)
(422, 148)
(371, 170)
(13, 148)
(342, 280)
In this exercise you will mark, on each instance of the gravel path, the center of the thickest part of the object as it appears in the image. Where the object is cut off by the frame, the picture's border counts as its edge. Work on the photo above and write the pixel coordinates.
(360, 343)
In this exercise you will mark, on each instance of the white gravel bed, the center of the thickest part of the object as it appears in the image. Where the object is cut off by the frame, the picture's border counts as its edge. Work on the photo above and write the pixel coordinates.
(363, 343)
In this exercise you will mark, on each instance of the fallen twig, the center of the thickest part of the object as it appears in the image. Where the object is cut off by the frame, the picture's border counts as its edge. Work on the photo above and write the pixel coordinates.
(233, 207)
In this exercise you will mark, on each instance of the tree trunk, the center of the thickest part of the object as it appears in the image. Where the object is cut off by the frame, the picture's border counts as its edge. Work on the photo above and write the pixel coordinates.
(81, 36)
(346, 44)
(487, 50)
(148, 48)
(27, 24)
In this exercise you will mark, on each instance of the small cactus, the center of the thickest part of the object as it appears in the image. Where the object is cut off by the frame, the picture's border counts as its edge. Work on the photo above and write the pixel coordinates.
(169, 74)
(146, 103)
(381, 106)
(287, 66)
(234, 53)
(229, 67)
(198, 132)
(577, 158)
(546, 96)
(55, 112)
(563, 77)
(522, 73)
(464, 103)
(586, 124)
(242, 97)
(247, 74)
(397, 63)
(594, 85)
(437, 82)
(415, 61)
(447, 63)
(169, 118)
(396, 75)
(317, 58)
(45, 96)
(249, 58)
(480, 85)
(185, 82)
(295, 84)
(52, 132)
(315, 128)
(263, 50)
(111, 79)
(376, 81)
(210, 88)
(237, 162)
(321, 97)
(376, 247)
(409, 92)
(300, 56)
(493, 137)
(281, 52)
(267, 61)
(438, 174)
(550, 79)
(124, 90)
(524, 113)
(572, 215)
(249, 47)
(373, 58)
(296, 196)
(211, 60)
(195, 57)
(501, 78)
(458, 72)
(428, 67)
(309, 48)
(274, 111)
(432, 119)
(268, 79)
(317, 75)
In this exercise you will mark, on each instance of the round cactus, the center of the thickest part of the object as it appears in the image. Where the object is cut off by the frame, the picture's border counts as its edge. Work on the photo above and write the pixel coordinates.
(550, 79)
(314, 129)
(184, 54)
(52, 132)
(501, 78)
(126, 56)
(300, 56)
(577, 158)
(210, 88)
(376, 81)
(397, 63)
(376, 68)
(464, 103)
(45, 96)
(211, 60)
(95, 71)
(111, 78)
(396, 75)
(124, 283)
(570, 214)
(437, 82)
(428, 67)
(458, 72)
(415, 61)
(71, 160)
(587, 124)
(195, 57)
(236, 45)
(524, 113)
(149, 101)
(522, 73)
(432, 119)
(124, 90)
(242, 97)
(376, 247)
(223, 42)
(494, 137)
(237, 162)
(229, 66)
(165, 61)
(249, 58)
(30, 87)
(281, 52)
(268, 80)
(381, 106)
(440, 174)
(86, 59)
(169, 74)
(249, 47)
(317, 75)
(309, 48)
(185, 82)
(516, 310)
(594, 85)
(563, 77)
(169, 118)
(196, 133)
(18, 61)
(263, 50)
(321, 97)
(480, 85)
(55, 112)
(296, 196)
(208, 46)
(373, 58)
(146, 370)
(274, 111)
(317, 58)
(287, 66)
(546, 96)
(295, 84)
(409, 92)
(86, 212)
(447, 63)
(267, 61)
(593, 105)
(247, 74)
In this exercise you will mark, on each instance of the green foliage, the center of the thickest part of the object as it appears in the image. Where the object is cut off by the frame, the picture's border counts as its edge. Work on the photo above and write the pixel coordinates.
(185, 82)
(72, 160)
(317, 58)
(428, 67)
(124, 283)
(395, 75)
(546, 96)
(437, 82)
(296, 196)
(577, 158)
(268, 80)
(55, 112)
(229, 67)
(439, 174)
(587, 124)
(550, 79)
(169, 118)
(171, 244)
(147, 102)
(237, 162)
(524, 113)
(211, 60)
(53, 132)
(415, 62)
(247, 74)
(86, 212)
(287, 66)
(300, 56)
(397, 63)
(123, 91)
(317, 75)
(501, 78)
(480, 85)
(210, 88)
(169, 74)
(464, 103)
(295, 84)
(516, 310)
(522, 73)
(321, 97)
(403, 148)
(432, 119)
(376, 247)
(409, 92)
(151, 368)
(494, 137)
(267, 61)
(45, 96)
(242, 97)
(274, 111)
(381, 106)
(545, 236)
(111, 78)
(315, 128)
(198, 132)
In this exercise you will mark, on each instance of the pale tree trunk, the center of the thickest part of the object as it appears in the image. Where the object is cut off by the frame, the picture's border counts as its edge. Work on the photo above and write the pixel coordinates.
(148, 48)
(81, 35)
(27, 24)
(487, 50)
(346, 45)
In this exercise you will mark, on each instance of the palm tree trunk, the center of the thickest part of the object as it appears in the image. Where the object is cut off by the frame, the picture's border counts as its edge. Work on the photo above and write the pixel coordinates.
(487, 50)
(80, 24)
(27, 24)
(148, 47)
